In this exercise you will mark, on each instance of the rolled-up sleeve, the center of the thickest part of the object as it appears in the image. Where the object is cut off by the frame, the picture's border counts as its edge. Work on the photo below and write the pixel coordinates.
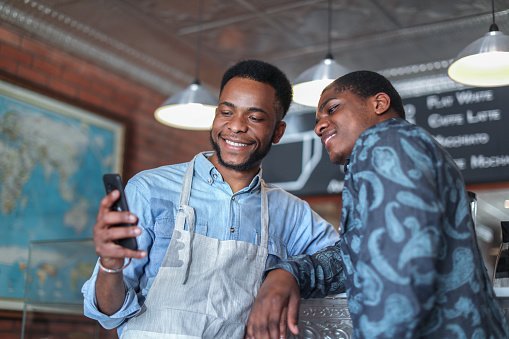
(319, 274)
(136, 281)
(130, 307)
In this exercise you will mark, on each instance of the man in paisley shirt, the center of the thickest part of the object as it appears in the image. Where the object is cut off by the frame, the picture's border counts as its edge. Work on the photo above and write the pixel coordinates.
(407, 257)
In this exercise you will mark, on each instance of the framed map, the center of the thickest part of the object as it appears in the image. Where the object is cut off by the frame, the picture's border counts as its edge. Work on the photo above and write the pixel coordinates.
(52, 158)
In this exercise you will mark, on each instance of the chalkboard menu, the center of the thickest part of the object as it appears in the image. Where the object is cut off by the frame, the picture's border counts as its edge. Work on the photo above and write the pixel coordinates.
(471, 124)
(299, 163)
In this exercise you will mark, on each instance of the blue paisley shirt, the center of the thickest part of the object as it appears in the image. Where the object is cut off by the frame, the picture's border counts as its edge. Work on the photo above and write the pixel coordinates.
(407, 255)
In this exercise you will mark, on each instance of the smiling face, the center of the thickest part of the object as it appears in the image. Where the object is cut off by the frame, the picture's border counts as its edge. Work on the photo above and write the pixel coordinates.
(341, 117)
(247, 122)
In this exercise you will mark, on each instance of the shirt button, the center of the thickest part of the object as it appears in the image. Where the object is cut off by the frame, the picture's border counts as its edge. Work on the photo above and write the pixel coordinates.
(210, 181)
(233, 198)
(232, 229)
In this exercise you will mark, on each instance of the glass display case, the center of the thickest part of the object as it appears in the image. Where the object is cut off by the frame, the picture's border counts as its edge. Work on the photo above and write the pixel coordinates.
(53, 303)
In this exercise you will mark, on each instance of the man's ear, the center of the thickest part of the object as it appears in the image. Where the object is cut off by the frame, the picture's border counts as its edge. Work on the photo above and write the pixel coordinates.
(279, 131)
(382, 103)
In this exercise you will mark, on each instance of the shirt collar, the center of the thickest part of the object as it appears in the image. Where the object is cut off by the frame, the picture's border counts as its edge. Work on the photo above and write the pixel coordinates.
(345, 166)
(207, 171)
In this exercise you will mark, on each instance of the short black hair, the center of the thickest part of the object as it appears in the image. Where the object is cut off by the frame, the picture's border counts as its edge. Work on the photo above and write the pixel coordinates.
(366, 84)
(263, 72)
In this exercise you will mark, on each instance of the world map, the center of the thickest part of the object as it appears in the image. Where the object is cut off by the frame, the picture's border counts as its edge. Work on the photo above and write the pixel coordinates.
(51, 168)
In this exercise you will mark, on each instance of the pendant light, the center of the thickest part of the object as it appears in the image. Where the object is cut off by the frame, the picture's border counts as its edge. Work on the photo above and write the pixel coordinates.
(309, 85)
(485, 62)
(193, 108)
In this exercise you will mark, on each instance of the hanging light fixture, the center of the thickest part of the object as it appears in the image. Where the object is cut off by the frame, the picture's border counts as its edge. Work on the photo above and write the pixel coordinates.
(485, 62)
(193, 108)
(309, 85)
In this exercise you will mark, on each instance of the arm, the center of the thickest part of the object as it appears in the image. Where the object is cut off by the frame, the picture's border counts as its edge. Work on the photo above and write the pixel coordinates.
(317, 275)
(109, 287)
(111, 298)
(277, 302)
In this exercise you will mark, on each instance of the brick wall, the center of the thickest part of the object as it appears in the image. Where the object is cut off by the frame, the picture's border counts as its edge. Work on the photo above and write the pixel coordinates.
(32, 64)
(49, 325)
(42, 68)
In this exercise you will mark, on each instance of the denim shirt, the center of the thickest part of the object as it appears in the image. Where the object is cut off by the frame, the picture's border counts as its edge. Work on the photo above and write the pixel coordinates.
(153, 195)
(407, 256)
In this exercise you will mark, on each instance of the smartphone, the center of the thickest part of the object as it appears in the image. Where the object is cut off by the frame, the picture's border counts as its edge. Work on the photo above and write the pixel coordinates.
(113, 181)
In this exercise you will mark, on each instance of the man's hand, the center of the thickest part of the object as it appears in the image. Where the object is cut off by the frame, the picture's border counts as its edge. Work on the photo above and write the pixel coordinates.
(276, 305)
(105, 234)
(109, 287)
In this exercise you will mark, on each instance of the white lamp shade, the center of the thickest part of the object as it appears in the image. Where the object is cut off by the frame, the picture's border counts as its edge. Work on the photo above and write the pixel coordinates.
(194, 109)
(483, 63)
(309, 85)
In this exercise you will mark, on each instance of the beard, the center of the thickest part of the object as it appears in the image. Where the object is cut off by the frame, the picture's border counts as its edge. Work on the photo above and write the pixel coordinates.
(254, 159)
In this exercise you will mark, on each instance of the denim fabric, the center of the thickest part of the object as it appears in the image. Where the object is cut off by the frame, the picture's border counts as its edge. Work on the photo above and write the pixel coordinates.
(153, 195)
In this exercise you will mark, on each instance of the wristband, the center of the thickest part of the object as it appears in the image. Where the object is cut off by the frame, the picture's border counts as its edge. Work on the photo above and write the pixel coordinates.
(114, 270)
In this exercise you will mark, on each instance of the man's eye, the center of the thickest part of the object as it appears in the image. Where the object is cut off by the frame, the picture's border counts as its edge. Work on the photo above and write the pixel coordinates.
(332, 109)
(255, 118)
(226, 113)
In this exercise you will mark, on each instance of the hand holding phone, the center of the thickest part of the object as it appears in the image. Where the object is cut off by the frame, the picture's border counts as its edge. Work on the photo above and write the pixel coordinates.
(113, 181)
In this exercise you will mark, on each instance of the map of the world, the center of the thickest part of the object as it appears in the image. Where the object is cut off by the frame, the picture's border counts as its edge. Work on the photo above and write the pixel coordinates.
(52, 160)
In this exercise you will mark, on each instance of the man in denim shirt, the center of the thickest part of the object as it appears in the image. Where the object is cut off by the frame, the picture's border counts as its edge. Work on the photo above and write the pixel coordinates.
(205, 229)
(407, 255)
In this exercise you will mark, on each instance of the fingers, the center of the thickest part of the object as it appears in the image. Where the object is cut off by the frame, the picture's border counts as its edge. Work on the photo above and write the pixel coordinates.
(276, 318)
(106, 246)
(261, 318)
(106, 233)
(107, 202)
(271, 309)
(282, 324)
(266, 321)
(293, 313)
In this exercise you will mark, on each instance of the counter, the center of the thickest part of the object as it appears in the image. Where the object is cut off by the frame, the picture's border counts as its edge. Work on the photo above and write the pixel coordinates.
(329, 317)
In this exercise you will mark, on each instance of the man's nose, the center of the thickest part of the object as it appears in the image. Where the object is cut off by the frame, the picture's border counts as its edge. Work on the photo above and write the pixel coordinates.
(320, 126)
(238, 124)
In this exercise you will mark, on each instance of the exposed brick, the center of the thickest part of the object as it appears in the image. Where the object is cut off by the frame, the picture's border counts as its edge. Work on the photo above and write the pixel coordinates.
(7, 326)
(7, 335)
(41, 65)
(101, 89)
(32, 75)
(36, 48)
(79, 79)
(112, 106)
(91, 99)
(63, 87)
(9, 37)
(8, 65)
(66, 60)
(13, 53)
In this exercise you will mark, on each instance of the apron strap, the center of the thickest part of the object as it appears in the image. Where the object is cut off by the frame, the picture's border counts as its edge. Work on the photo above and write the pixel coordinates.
(264, 227)
(186, 213)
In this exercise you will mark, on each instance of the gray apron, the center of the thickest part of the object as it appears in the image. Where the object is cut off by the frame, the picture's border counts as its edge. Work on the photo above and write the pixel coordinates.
(205, 287)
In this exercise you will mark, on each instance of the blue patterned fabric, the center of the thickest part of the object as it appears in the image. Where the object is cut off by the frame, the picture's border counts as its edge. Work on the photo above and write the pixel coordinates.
(408, 256)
